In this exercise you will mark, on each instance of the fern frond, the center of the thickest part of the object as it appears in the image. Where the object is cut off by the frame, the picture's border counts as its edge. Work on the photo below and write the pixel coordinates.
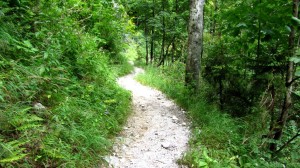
(28, 126)
(13, 158)
(11, 151)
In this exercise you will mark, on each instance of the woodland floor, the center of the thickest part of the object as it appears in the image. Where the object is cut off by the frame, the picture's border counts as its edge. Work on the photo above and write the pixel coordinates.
(155, 135)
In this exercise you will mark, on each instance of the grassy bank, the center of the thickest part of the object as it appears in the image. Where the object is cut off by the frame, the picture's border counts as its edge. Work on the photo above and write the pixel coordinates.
(60, 105)
(218, 140)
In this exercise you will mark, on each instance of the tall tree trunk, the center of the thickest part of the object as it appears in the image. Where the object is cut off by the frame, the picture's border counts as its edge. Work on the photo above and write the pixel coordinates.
(214, 22)
(175, 25)
(152, 34)
(195, 42)
(281, 121)
(152, 46)
(162, 54)
(272, 106)
(146, 37)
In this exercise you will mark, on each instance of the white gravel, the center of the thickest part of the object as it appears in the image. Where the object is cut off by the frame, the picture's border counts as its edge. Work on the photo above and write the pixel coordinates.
(156, 134)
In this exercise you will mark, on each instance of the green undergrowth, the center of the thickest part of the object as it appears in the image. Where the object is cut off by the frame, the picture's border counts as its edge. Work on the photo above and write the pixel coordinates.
(60, 105)
(217, 139)
(73, 130)
(54, 119)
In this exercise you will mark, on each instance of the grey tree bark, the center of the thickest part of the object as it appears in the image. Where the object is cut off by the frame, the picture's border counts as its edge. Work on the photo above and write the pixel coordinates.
(195, 44)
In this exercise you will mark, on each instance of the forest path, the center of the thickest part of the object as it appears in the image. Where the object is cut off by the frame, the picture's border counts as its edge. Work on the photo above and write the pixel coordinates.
(156, 133)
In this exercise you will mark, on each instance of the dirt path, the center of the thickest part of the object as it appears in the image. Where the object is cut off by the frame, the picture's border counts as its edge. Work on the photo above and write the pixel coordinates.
(155, 135)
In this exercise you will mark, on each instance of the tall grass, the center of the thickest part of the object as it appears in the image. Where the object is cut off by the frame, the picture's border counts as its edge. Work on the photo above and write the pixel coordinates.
(217, 139)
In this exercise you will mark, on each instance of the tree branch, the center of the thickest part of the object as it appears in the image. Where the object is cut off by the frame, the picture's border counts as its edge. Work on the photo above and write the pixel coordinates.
(290, 83)
(287, 143)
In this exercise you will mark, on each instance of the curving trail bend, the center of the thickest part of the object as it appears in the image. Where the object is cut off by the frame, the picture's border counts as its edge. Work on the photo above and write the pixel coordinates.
(156, 133)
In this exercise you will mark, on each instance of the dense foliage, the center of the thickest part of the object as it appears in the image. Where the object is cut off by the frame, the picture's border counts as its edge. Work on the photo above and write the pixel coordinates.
(250, 68)
(59, 103)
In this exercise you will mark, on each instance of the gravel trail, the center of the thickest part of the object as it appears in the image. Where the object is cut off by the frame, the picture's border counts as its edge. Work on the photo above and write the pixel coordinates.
(156, 133)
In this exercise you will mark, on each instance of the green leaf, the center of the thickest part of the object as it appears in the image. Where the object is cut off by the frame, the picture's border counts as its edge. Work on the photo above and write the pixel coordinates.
(205, 154)
(27, 44)
(296, 20)
(46, 55)
(295, 59)
(297, 93)
(288, 28)
(202, 164)
(241, 25)
(297, 73)
(42, 70)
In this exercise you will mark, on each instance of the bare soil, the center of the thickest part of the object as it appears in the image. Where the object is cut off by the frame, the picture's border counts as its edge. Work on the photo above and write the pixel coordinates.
(156, 134)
